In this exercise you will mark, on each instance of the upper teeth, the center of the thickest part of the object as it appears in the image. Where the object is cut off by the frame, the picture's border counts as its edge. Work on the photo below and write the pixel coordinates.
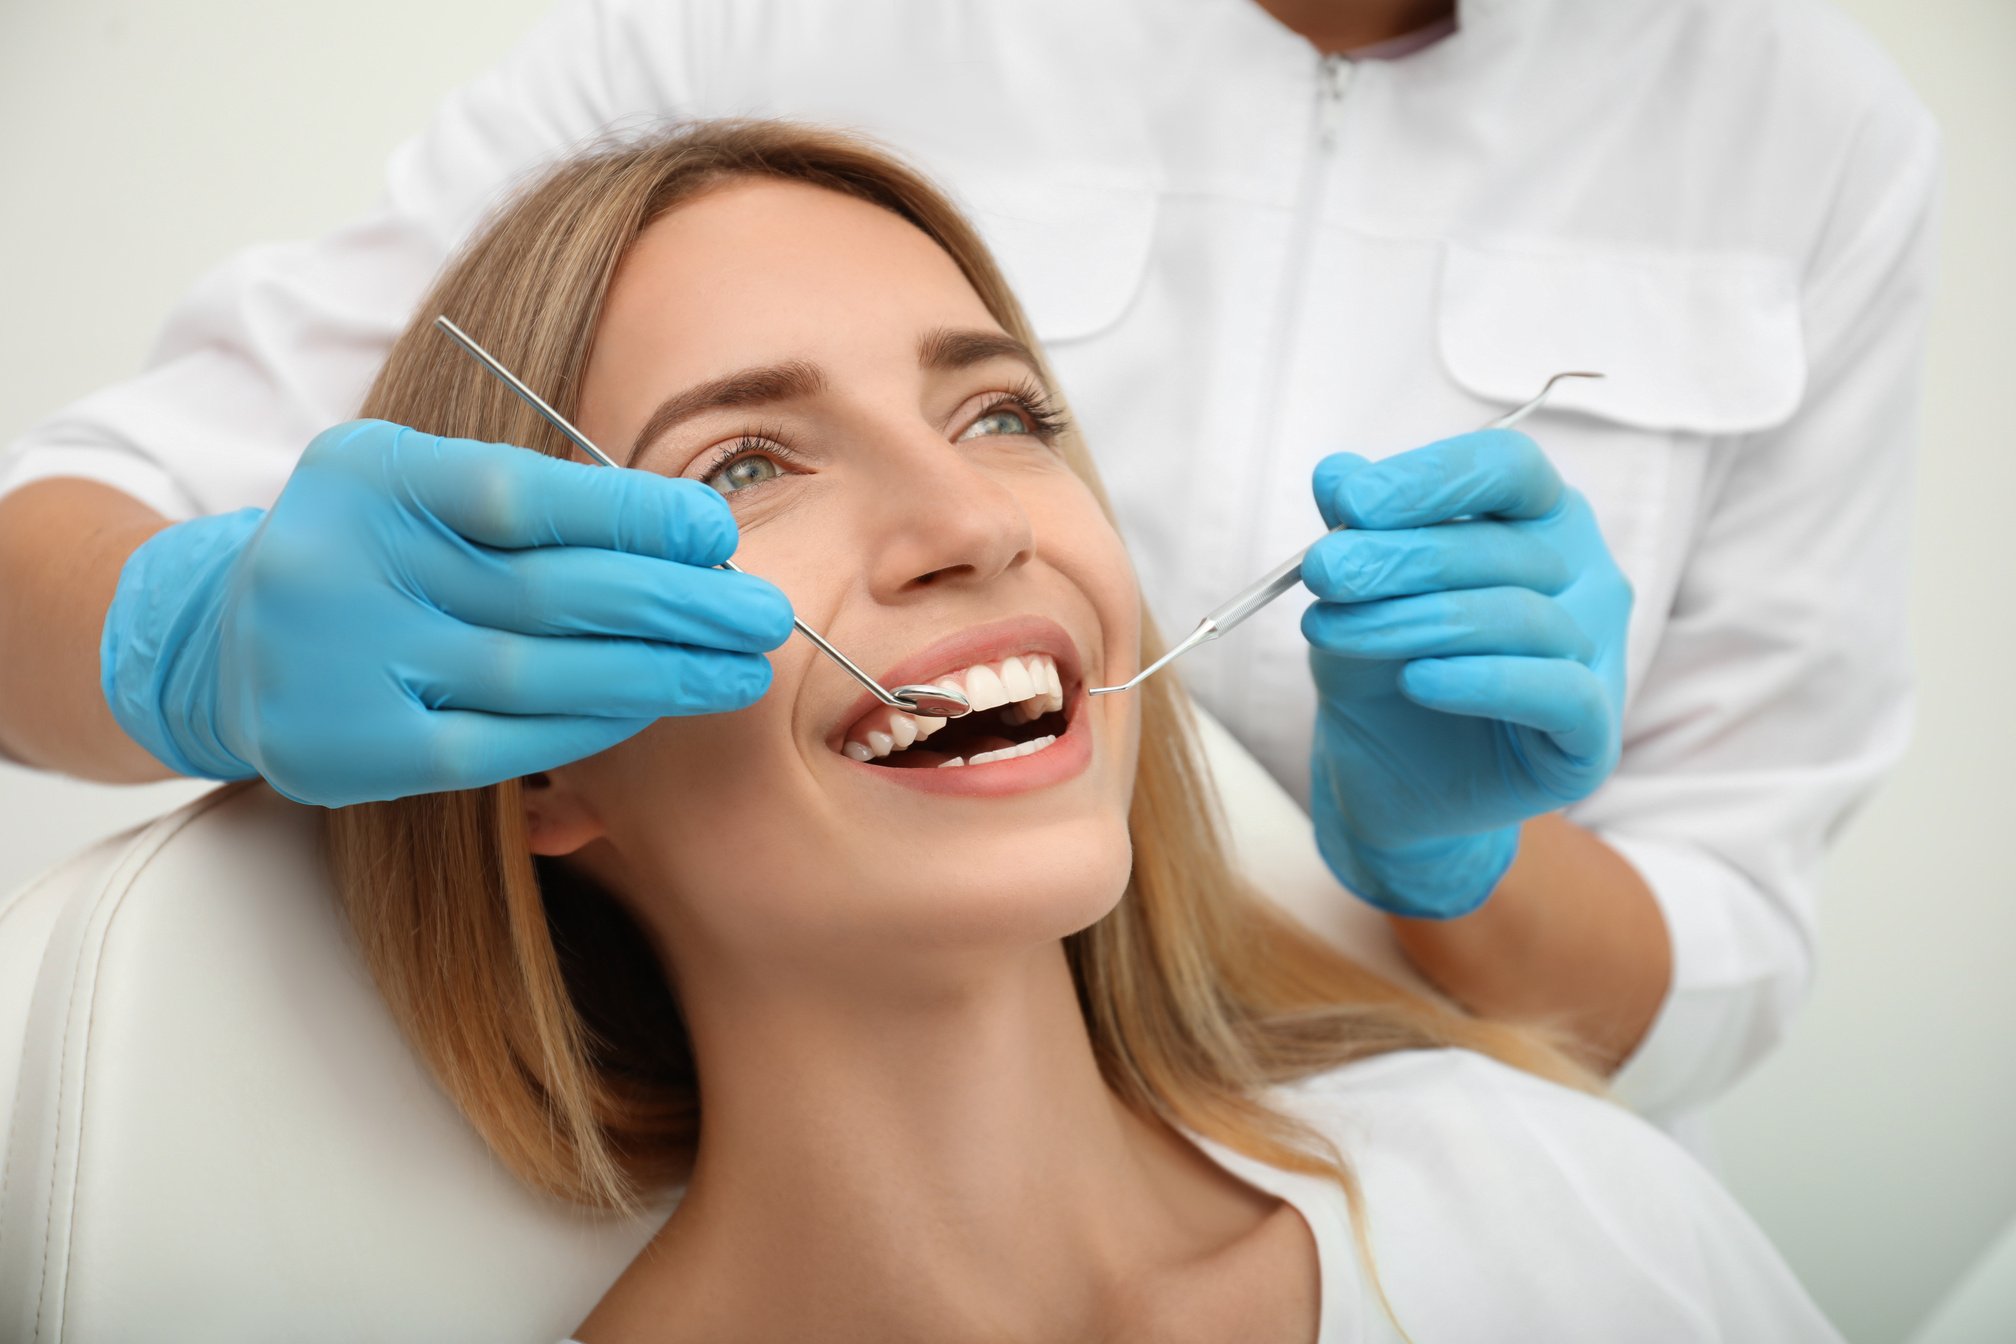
(1028, 684)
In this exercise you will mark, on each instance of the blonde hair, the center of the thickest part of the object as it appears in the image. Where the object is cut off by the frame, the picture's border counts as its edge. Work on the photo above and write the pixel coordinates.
(532, 994)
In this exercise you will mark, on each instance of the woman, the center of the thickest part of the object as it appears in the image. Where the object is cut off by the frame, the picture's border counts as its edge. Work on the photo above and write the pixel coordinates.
(950, 1030)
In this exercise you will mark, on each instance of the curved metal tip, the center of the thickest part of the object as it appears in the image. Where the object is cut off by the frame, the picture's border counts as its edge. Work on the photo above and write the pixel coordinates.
(1538, 400)
(1207, 628)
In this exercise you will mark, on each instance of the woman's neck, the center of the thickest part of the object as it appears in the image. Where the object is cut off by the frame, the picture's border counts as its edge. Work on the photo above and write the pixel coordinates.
(939, 1163)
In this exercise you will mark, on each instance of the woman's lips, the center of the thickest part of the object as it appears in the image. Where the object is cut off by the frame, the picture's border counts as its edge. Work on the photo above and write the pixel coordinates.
(1064, 759)
(1018, 698)
(975, 645)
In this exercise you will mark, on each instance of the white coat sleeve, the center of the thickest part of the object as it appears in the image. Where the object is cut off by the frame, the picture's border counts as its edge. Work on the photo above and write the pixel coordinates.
(282, 341)
(1780, 692)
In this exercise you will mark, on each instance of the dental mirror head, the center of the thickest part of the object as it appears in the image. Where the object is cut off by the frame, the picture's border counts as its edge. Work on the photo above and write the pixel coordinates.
(935, 702)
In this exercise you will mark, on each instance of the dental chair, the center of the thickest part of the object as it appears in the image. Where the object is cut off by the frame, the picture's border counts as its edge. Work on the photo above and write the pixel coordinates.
(215, 1133)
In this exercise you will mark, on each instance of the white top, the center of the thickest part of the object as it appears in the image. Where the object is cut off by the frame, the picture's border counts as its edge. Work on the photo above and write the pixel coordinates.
(1241, 258)
(1502, 1207)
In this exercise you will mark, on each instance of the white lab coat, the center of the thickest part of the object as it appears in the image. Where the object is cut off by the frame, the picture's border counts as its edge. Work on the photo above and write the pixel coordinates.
(1503, 1209)
(1242, 258)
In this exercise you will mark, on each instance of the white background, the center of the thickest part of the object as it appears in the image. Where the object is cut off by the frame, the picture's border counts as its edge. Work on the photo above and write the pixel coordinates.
(141, 143)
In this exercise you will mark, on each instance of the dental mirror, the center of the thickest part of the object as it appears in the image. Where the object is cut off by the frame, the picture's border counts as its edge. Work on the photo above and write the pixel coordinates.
(938, 702)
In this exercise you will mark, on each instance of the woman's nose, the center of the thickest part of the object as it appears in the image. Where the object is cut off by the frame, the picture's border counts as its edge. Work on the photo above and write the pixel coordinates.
(942, 516)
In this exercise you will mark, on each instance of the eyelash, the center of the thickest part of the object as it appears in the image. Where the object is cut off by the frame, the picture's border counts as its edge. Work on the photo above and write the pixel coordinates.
(1047, 422)
(1046, 418)
(759, 440)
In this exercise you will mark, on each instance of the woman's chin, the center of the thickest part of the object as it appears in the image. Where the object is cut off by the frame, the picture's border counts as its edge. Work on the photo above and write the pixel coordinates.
(1007, 890)
(1028, 893)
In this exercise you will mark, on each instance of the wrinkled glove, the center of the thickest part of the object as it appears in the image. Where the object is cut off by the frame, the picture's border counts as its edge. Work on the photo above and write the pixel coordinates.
(417, 614)
(1470, 674)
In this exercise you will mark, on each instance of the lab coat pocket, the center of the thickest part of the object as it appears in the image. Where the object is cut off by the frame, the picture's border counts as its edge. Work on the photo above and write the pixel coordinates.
(1686, 342)
(1075, 254)
(1697, 351)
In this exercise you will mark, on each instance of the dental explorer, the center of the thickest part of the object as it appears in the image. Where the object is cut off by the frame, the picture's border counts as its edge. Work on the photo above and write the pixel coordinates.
(1287, 574)
(936, 702)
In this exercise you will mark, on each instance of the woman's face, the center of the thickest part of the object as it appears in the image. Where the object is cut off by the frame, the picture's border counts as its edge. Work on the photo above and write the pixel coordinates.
(883, 446)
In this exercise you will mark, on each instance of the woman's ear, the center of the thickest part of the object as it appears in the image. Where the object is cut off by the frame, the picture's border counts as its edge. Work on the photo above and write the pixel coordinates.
(557, 819)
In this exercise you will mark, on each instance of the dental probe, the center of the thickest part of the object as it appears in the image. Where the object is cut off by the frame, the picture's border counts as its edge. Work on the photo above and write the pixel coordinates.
(1288, 573)
(935, 702)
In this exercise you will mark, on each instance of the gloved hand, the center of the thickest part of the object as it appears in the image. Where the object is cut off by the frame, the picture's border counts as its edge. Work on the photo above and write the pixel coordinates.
(1470, 675)
(416, 614)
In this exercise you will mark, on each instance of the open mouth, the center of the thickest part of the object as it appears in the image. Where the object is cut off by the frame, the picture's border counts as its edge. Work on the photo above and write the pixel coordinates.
(1020, 707)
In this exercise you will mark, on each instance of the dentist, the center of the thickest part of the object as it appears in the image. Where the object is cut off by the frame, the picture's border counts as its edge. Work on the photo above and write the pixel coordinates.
(1580, 711)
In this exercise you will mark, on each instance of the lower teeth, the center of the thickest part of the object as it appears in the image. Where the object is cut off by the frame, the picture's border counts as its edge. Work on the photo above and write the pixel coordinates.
(1029, 748)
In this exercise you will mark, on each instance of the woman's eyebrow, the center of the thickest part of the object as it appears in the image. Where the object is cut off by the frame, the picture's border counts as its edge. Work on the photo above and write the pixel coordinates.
(744, 387)
(959, 347)
(941, 348)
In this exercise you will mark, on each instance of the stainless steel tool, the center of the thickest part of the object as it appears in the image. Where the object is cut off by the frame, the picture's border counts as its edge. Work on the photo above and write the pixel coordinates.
(938, 702)
(1287, 574)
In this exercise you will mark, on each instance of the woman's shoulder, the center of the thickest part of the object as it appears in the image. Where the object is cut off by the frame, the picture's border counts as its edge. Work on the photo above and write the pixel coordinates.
(1428, 1088)
(1454, 1110)
(1549, 1204)
(1438, 1113)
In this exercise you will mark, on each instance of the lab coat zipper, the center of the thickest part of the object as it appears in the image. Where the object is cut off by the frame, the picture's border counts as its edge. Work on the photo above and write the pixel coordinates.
(1336, 81)
(1333, 81)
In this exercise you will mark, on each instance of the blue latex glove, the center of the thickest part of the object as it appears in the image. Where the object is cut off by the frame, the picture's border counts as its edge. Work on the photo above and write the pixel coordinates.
(1470, 675)
(416, 614)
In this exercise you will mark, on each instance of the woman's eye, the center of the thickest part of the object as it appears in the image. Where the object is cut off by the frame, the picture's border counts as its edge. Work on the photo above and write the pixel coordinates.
(1025, 412)
(743, 472)
(1000, 420)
